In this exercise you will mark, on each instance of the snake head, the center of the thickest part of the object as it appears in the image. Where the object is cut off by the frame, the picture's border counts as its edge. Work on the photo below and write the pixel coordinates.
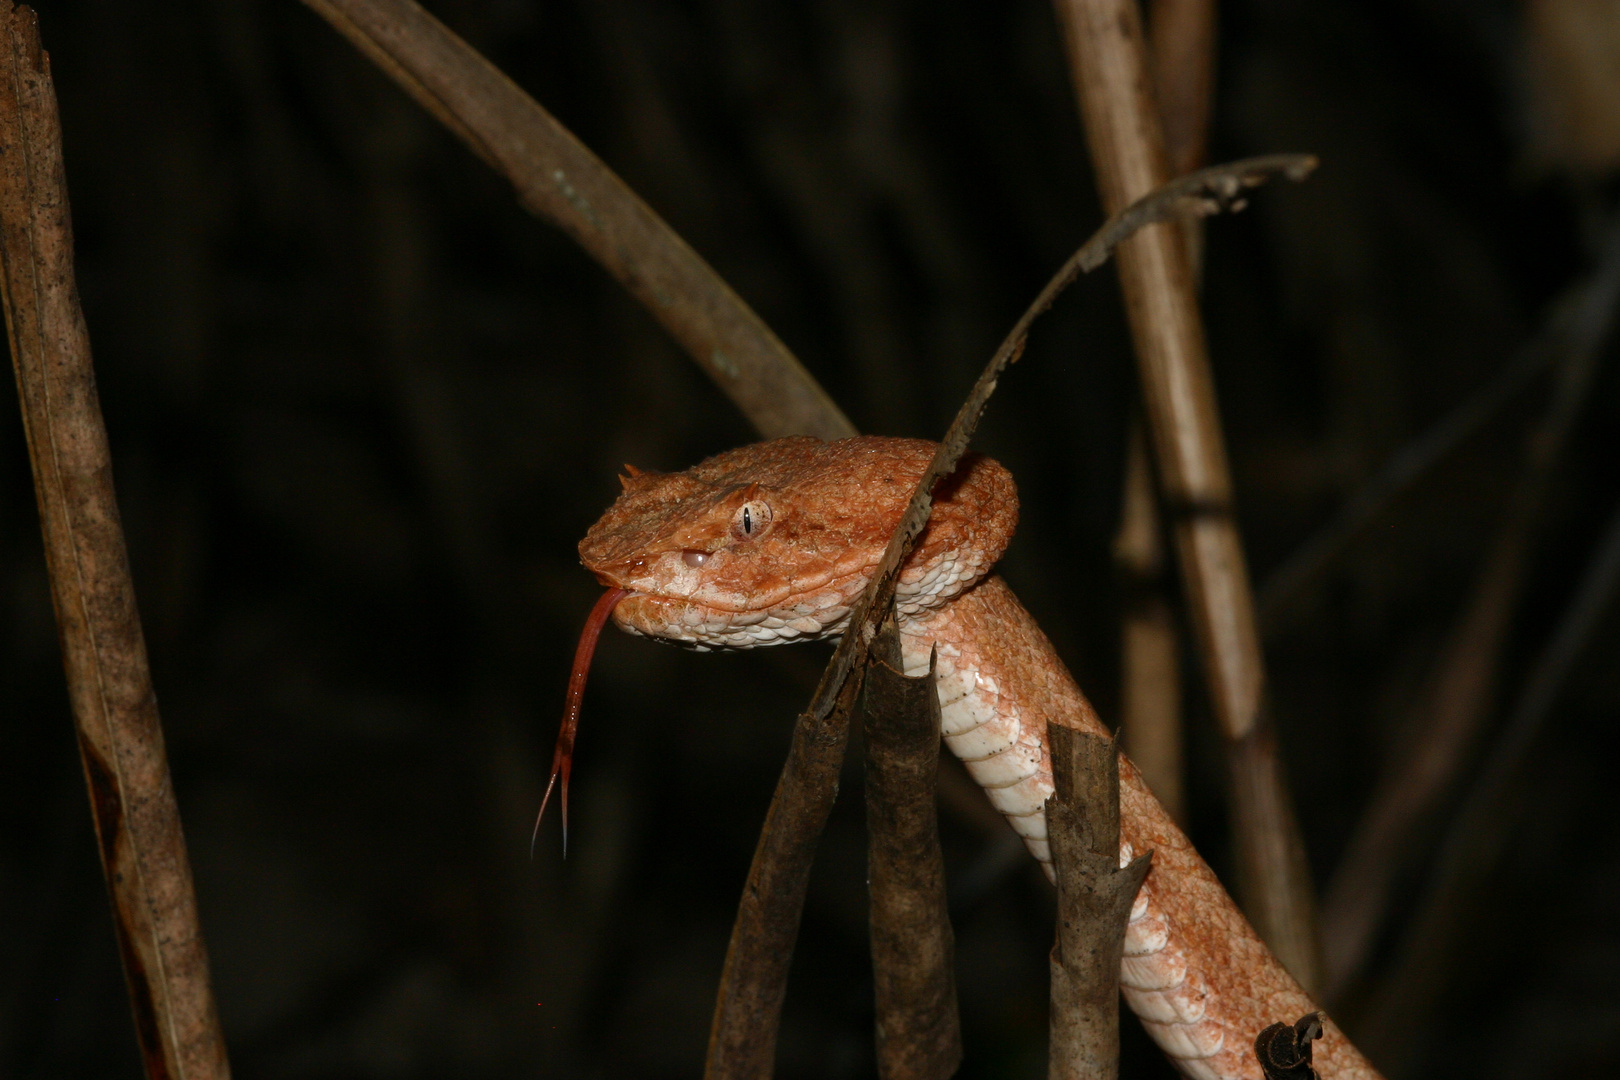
(774, 542)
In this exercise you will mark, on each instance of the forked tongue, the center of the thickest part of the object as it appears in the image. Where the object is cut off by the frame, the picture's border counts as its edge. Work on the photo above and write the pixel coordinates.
(562, 762)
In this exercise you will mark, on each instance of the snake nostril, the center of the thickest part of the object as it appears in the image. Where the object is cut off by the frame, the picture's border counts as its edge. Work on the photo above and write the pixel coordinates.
(694, 559)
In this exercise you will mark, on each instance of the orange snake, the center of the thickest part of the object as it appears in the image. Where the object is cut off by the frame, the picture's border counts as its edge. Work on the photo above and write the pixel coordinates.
(774, 542)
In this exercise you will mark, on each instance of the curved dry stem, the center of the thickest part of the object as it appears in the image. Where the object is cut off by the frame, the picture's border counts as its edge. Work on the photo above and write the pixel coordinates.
(559, 179)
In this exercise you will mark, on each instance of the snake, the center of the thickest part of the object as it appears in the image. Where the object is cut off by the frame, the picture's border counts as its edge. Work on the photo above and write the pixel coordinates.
(774, 543)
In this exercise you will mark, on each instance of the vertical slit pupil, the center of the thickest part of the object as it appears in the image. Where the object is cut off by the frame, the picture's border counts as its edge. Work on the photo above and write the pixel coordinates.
(748, 521)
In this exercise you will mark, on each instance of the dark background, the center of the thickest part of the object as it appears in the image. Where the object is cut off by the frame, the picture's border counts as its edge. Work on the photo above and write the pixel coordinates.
(362, 408)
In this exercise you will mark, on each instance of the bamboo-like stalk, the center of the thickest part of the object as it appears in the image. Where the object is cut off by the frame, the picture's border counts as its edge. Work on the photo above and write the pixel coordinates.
(1183, 52)
(1109, 63)
(143, 851)
(1182, 36)
(558, 178)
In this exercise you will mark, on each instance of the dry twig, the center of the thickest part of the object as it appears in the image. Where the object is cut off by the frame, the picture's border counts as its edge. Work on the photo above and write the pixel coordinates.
(1095, 895)
(748, 1007)
(1203, 193)
(742, 1039)
(109, 685)
(919, 1035)
(559, 179)
(1109, 64)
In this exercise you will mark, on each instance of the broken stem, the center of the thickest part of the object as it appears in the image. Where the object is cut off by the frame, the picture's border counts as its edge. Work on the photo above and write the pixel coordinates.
(919, 1035)
(1095, 895)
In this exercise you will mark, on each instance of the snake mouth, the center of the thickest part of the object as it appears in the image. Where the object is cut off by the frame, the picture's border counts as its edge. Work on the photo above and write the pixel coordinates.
(690, 623)
(729, 584)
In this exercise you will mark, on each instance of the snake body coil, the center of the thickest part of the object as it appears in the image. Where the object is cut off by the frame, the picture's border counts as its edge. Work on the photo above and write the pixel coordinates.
(774, 542)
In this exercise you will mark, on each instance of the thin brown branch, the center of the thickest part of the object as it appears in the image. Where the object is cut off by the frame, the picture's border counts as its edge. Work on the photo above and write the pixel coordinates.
(1475, 841)
(742, 1039)
(109, 685)
(556, 177)
(1109, 63)
(919, 1035)
(1208, 191)
(1459, 699)
(1094, 902)
(1200, 194)
(1149, 652)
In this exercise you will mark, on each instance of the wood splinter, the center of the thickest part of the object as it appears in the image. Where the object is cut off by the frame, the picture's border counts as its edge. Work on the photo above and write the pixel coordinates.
(1095, 895)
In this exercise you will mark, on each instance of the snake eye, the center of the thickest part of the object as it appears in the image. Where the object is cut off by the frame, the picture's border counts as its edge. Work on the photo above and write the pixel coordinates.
(751, 520)
(694, 559)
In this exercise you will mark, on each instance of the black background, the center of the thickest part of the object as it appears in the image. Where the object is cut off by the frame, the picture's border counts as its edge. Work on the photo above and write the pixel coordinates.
(362, 408)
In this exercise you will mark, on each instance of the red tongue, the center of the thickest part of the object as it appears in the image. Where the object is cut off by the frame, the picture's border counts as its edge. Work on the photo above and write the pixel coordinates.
(562, 762)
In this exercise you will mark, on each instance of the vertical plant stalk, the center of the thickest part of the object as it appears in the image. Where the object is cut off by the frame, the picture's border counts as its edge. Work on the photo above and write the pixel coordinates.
(109, 685)
(1108, 59)
(1095, 895)
(919, 1034)
(1183, 40)
(1149, 649)
(1182, 36)
(1460, 696)
(558, 178)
